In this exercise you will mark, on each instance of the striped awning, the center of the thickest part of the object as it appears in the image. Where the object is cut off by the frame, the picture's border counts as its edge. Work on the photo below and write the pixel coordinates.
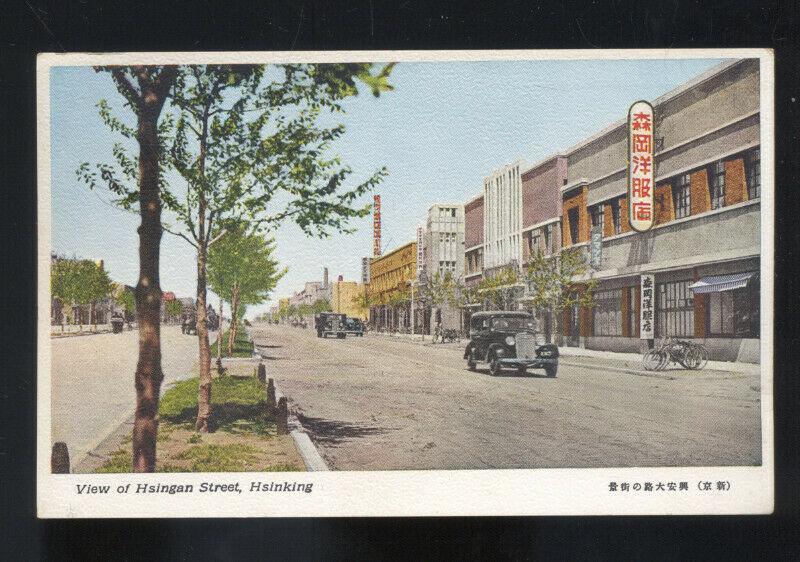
(719, 283)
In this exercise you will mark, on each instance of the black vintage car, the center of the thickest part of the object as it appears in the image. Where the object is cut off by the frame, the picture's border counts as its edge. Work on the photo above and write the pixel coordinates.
(354, 327)
(506, 339)
(330, 323)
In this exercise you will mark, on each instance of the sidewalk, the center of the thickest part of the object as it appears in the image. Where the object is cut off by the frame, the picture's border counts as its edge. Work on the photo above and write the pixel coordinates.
(609, 360)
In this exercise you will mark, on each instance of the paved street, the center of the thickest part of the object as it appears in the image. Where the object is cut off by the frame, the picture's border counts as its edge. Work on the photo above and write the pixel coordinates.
(92, 382)
(376, 403)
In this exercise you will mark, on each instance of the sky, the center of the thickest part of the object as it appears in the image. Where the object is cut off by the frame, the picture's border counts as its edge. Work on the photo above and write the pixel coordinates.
(444, 128)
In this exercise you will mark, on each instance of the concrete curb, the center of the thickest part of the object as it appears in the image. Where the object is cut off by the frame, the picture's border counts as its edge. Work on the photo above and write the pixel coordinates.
(311, 457)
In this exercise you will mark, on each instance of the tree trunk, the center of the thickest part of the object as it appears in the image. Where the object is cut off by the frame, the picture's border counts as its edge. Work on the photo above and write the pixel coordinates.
(219, 333)
(148, 295)
(234, 318)
(204, 410)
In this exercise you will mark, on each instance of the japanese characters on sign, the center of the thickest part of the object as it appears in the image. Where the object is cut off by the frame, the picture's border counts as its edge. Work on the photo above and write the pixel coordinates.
(641, 167)
(647, 315)
(596, 247)
(376, 226)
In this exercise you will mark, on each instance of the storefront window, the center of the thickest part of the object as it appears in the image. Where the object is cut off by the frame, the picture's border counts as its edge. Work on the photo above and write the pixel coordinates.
(735, 313)
(674, 309)
(608, 313)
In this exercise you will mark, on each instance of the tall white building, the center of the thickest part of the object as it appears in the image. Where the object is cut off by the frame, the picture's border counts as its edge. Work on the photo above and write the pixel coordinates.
(502, 223)
(444, 240)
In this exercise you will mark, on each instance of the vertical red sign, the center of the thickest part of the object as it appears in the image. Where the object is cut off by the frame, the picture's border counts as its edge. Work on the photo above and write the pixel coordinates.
(641, 166)
(376, 226)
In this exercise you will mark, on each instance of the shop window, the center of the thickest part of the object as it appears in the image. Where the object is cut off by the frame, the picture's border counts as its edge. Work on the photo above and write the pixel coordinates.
(572, 216)
(632, 316)
(615, 218)
(753, 163)
(674, 309)
(608, 313)
(598, 216)
(716, 184)
(734, 313)
(681, 196)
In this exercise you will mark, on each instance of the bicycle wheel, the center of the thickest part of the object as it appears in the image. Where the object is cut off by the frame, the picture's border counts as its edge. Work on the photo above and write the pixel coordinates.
(684, 354)
(692, 358)
(654, 360)
(702, 354)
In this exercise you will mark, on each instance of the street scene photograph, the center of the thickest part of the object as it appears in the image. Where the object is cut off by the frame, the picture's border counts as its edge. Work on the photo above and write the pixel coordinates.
(402, 265)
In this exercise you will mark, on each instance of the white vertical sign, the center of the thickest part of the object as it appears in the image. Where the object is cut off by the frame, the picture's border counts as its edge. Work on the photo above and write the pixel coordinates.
(420, 251)
(647, 308)
(641, 166)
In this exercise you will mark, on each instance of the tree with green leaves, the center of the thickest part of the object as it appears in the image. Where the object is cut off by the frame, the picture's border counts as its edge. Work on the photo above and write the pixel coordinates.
(173, 308)
(243, 135)
(498, 289)
(80, 282)
(362, 301)
(137, 182)
(238, 136)
(560, 282)
(242, 271)
(125, 298)
(321, 305)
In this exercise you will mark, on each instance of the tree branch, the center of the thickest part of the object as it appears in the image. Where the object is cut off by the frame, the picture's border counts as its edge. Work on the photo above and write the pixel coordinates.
(179, 234)
(130, 93)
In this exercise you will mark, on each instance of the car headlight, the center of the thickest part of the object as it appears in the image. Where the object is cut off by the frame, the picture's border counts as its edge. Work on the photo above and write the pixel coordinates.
(545, 352)
(510, 340)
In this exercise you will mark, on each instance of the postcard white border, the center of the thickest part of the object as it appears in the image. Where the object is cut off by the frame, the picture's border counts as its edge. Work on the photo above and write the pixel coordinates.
(420, 493)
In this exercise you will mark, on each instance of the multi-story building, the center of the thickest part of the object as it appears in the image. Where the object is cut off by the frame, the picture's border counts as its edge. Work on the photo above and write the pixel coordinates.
(443, 251)
(541, 221)
(391, 277)
(502, 218)
(699, 264)
(473, 241)
(345, 297)
(444, 240)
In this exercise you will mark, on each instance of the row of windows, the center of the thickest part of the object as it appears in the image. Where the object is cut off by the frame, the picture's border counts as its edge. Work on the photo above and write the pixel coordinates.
(681, 194)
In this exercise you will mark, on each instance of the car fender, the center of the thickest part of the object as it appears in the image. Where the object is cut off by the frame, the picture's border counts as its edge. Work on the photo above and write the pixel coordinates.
(495, 346)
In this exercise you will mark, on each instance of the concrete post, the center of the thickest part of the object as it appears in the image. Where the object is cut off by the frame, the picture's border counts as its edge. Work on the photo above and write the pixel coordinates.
(59, 459)
(282, 419)
(271, 402)
(262, 373)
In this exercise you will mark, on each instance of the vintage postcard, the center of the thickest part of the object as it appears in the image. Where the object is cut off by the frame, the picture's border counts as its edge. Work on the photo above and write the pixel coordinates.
(405, 283)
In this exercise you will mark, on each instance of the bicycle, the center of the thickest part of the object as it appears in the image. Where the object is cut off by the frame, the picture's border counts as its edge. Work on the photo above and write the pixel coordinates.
(689, 355)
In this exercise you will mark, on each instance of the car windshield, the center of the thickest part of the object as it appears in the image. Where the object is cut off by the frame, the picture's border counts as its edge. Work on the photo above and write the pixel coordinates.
(513, 324)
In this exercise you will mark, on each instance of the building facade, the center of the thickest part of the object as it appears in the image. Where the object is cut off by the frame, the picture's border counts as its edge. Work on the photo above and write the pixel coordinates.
(443, 251)
(695, 274)
(502, 217)
(345, 297)
(389, 289)
(541, 224)
(473, 241)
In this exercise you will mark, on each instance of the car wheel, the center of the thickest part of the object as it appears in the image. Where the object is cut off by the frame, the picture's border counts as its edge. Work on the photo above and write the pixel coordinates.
(522, 370)
(550, 371)
(495, 367)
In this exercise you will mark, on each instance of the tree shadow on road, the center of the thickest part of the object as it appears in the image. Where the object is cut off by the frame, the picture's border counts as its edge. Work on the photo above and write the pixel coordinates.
(332, 432)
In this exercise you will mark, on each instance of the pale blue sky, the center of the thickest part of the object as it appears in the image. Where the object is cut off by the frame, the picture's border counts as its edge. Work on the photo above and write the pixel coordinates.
(444, 128)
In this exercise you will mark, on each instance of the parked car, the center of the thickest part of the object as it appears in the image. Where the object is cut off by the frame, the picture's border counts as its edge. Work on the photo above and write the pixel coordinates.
(354, 327)
(505, 339)
(330, 323)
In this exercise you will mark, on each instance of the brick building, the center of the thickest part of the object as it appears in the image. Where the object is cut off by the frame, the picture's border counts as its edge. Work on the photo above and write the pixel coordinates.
(391, 276)
(703, 253)
(473, 241)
